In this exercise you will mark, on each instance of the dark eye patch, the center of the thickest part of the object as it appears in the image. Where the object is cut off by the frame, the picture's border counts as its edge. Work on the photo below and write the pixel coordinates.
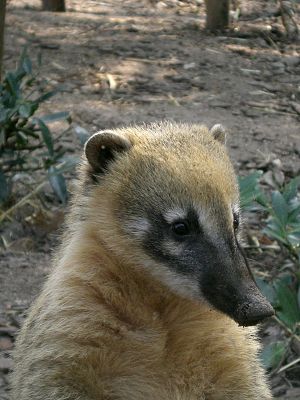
(183, 231)
(184, 228)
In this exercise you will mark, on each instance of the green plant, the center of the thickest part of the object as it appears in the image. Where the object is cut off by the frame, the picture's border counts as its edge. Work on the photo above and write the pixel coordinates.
(280, 212)
(26, 141)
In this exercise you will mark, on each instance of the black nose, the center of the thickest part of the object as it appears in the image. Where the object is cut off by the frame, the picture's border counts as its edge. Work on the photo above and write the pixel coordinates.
(253, 311)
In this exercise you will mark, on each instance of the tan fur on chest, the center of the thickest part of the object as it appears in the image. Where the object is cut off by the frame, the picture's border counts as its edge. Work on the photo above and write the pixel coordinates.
(144, 342)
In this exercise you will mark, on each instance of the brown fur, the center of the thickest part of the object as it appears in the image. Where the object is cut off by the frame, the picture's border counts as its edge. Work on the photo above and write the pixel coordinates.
(105, 327)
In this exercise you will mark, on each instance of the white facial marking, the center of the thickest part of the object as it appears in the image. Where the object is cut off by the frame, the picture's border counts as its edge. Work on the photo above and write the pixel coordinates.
(175, 214)
(236, 208)
(185, 286)
(209, 226)
(103, 146)
(138, 226)
(204, 218)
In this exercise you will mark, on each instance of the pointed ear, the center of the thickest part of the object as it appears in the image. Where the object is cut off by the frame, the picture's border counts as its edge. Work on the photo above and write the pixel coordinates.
(219, 133)
(102, 147)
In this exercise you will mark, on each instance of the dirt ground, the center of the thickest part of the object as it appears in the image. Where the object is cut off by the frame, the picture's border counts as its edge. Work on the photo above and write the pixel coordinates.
(125, 62)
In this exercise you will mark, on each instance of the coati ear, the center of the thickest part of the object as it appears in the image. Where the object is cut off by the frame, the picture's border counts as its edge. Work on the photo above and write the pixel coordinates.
(102, 147)
(219, 133)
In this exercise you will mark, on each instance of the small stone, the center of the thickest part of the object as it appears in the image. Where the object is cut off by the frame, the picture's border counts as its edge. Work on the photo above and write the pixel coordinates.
(2, 383)
(251, 113)
(5, 365)
(161, 5)
(7, 330)
(279, 177)
(85, 89)
(220, 104)
(132, 28)
(51, 46)
(292, 61)
(189, 66)
(277, 163)
(278, 65)
(267, 74)
(68, 87)
(269, 179)
(296, 107)
(5, 343)
(249, 72)
(297, 148)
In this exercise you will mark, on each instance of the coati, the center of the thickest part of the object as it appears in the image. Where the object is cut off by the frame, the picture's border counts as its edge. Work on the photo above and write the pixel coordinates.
(150, 297)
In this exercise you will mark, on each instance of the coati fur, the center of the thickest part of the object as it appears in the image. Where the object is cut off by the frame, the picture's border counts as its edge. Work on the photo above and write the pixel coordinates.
(150, 287)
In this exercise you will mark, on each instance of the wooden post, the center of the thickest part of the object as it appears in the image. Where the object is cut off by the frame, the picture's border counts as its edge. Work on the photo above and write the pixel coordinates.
(2, 24)
(217, 14)
(53, 5)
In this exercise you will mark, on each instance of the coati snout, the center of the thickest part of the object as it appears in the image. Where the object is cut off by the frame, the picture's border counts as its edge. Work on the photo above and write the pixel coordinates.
(176, 204)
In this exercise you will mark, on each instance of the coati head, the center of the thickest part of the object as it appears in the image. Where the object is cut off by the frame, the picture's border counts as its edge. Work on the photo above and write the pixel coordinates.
(165, 197)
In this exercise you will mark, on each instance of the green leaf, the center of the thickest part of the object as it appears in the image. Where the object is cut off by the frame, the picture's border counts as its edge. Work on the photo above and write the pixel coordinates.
(58, 184)
(25, 110)
(39, 59)
(280, 207)
(29, 132)
(27, 65)
(47, 137)
(12, 84)
(275, 234)
(46, 96)
(3, 115)
(5, 188)
(294, 239)
(2, 137)
(272, 354)
(67, 163)
(249, 189)
(22, 138)
(82, 134)
(290, 190)
(262, 199)
(294, 213)
(267, 289)
(22, 57)
(58, 116)
(289, 311)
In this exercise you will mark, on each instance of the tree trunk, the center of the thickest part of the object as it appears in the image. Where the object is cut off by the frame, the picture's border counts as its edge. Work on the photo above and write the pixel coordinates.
(2, 22)
(217, 14)
(54, 5)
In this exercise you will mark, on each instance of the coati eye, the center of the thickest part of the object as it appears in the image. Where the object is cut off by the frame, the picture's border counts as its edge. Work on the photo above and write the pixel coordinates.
(236, 221)
(180, 228)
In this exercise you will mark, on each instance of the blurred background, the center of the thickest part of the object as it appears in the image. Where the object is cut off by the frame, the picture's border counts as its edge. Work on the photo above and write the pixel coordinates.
(70, 68)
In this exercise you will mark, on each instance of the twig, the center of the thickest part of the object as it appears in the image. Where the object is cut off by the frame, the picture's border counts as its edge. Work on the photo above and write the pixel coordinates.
(69, 128)
(15, 170)
(5, 215)
(289, 365)
(143, 60)
(272, 110)
(262, 246)
(291, 333)
(263, 274)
